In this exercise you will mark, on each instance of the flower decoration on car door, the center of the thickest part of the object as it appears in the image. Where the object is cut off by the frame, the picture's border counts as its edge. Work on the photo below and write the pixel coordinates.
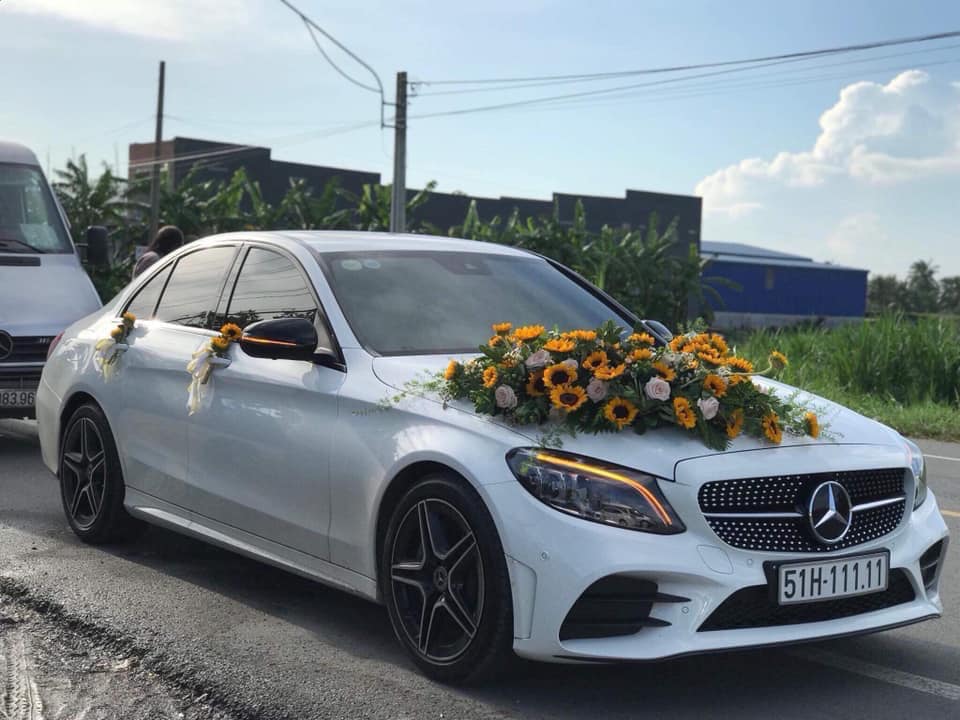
(211, 354)
(107, 351)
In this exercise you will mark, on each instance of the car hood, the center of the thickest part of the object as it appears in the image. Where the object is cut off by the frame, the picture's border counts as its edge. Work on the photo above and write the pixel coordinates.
(659, 451)
(44, 299)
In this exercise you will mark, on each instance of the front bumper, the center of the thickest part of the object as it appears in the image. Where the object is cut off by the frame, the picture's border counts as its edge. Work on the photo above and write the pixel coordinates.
(16, 383)
(554, 558)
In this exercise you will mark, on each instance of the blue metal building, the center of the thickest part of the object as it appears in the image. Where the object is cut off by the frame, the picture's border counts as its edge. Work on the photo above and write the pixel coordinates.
(781, 289)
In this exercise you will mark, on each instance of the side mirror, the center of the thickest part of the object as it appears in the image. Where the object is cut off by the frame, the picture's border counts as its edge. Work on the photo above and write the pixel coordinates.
(283, 339)
(98, 251)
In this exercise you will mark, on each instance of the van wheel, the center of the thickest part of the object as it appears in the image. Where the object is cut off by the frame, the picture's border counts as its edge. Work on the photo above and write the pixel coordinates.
(445, 582)
(91, 481)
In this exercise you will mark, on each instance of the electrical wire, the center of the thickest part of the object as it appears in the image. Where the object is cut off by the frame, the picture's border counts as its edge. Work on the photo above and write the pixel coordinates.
(701, 66)
(343, 73)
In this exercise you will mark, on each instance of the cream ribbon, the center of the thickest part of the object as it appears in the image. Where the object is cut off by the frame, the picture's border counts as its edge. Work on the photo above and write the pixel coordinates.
(200, 370)
(106, 354)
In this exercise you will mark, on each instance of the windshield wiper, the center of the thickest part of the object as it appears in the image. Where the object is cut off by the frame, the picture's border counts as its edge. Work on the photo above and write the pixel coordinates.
(24, 247)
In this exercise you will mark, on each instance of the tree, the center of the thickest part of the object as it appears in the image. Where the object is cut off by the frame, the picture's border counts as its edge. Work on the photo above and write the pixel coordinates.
(923, 292)
(88, 201)
(950, 295)
(885, 293)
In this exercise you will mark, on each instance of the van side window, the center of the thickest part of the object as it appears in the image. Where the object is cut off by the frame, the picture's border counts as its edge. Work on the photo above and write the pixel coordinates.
(144, 303)
(271, 286)
(191, 295)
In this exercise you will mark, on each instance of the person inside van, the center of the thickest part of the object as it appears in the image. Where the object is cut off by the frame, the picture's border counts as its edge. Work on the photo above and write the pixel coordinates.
(167, 239)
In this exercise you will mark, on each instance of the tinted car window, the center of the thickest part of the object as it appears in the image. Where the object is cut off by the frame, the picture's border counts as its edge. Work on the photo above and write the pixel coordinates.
(145, 301)
(270, 286)
(194, 288)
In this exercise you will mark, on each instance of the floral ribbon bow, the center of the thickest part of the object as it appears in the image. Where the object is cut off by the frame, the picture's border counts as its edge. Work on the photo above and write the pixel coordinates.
(204, 360)
(108, 350)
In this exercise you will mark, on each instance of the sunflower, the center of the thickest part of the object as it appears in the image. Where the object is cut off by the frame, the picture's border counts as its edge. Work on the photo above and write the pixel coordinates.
(128, 319)
(495, 340)
(117, 332)
(609, 373)
(665, 371)
(508, 362)
(560, 345)
(568, 397)
(453, 369)
(736, 380)
(778, 360)
(640, 354)
(813, 425)
(678, 342)
(582, 335)
(711, 355)
(641, 338)
(220, 344)
(735, 423)
(502, 328)
(231, 332)
(684, 413)
(490, 377)
(771, 428)
(559, 374)
(739, 364)
(620, 412)
(715, 384)
(535, 386)
(529, 332)
(596, 359)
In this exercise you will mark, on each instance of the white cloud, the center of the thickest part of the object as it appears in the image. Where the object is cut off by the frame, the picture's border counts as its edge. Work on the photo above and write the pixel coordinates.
(169, 20)
(875, 188)
(906, 129)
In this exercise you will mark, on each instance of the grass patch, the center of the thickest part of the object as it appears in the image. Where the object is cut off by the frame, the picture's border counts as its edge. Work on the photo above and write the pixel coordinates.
(903, 372)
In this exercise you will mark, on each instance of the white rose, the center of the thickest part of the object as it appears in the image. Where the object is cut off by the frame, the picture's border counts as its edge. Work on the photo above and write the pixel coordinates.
(505, 397)
(541, 358)
(708, 406)
(597, 390)
(657, 389)
(570, 362)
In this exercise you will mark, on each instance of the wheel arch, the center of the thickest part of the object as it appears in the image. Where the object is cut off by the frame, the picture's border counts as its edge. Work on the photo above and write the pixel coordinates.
(78, 398)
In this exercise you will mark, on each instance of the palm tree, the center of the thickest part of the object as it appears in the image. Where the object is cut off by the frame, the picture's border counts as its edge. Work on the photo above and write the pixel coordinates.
(88, 201)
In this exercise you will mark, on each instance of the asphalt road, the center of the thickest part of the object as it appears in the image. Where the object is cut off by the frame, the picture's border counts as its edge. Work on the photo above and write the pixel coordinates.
(261, 643)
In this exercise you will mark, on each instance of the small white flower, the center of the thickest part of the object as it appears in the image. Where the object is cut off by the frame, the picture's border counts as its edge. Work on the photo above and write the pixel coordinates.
(709, 407)
(541, 358)
(596, 390)
(505, 397)
(657, 389)
(570, 362)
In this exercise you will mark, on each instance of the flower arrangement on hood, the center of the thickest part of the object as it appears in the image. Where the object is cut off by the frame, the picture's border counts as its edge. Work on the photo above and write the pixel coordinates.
(204, 360)
(108, 350)
(605, 380)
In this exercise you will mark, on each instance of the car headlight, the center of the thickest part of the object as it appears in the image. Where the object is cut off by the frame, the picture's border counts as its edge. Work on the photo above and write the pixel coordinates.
(919, 467)
(594, 490)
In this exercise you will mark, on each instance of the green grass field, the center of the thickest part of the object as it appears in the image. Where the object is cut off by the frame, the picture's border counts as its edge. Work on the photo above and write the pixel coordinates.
(903, 372)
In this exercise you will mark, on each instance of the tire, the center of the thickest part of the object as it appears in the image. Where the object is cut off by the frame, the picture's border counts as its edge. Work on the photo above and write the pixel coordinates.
(91, 480)
(465, 585)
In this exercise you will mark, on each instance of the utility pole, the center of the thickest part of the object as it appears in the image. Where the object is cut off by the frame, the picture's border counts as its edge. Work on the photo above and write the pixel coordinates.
(155, 173)
(398, 203)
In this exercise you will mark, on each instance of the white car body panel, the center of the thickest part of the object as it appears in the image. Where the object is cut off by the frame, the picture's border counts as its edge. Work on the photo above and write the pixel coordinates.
(289, 463)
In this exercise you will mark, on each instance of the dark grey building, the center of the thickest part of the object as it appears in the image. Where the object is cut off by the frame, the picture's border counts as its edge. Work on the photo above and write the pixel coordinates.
(218, 161)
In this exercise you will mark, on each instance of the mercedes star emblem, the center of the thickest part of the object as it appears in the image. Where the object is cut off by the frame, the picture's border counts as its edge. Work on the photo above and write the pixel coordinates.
(6, 345)
(830, 512)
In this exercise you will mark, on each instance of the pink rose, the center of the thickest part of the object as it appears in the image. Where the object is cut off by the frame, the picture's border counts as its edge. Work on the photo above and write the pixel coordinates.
(541, 358)
(597, 390)
(657, 389)
(708, 406)
(505, 396)
(570, 362)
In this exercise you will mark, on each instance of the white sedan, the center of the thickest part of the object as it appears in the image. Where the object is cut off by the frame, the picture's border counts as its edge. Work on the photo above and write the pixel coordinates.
(449, 518)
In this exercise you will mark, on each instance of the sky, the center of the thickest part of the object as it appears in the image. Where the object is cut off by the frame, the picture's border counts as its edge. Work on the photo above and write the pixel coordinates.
(853, 159)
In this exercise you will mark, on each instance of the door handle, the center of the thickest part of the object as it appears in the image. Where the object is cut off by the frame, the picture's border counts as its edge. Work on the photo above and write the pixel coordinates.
(219, 361)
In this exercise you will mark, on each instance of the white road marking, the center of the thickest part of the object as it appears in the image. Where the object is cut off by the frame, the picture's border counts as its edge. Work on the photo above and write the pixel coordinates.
(941, 457)
(879, 672)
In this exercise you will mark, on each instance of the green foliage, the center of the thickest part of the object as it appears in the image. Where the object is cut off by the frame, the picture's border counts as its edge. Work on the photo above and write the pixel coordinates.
(920, 293)
(902, 371)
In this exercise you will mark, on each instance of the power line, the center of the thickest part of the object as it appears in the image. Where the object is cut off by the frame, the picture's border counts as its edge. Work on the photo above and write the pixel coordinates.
(702, 66)
(316, 41)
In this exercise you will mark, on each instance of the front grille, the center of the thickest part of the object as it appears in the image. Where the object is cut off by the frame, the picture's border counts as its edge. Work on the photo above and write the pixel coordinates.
(769, 514)
(615, 605)
(17, 379)
(28, 349)
(753, 607)
(929, 563)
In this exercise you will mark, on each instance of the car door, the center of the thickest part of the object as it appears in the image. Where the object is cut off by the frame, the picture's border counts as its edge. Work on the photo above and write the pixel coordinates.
(174, 310)
(259, 452)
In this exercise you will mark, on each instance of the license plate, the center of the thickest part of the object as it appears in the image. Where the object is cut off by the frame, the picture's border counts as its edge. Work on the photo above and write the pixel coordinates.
(17, 398)
(828, 579)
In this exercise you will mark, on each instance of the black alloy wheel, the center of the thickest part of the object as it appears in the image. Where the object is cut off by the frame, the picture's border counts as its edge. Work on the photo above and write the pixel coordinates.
(91, 481)
(445, 581)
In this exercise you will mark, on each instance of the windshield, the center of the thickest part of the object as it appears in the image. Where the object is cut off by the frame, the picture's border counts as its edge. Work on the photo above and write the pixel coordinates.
(425, 303)
(29, 221)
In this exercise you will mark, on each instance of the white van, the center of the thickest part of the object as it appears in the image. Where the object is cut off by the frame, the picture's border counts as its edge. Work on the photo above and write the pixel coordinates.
(43, 287)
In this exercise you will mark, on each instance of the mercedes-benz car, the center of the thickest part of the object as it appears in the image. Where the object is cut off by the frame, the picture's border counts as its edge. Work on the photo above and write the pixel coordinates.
(312, 451)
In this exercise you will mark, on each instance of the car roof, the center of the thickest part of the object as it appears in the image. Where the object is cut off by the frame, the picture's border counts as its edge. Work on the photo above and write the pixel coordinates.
(331, 241)
(11, 152)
